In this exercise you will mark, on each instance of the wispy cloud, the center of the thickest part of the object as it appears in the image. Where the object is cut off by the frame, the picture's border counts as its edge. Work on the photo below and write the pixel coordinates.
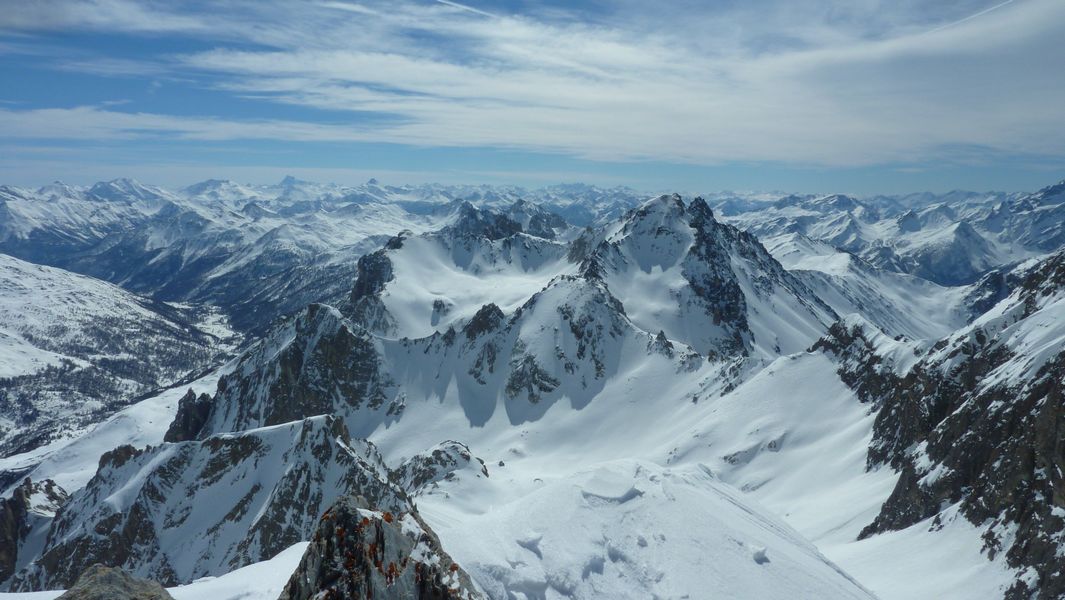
(465, 7)
(822, 82)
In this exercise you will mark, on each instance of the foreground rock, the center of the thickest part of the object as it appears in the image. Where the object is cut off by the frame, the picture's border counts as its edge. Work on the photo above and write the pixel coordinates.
(104, 583)
(358, 552)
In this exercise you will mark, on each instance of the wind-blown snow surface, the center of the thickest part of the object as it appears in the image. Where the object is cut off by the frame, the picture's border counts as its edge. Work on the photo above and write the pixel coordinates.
(630, 529)
(801, 454)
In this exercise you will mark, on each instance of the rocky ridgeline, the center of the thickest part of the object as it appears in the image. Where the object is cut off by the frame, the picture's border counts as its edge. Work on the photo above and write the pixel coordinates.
(314, 364)
(974, 423)
(446, 461)
(180, 511)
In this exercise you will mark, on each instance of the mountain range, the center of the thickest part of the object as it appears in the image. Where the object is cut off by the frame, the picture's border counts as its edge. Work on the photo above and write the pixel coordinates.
(298, 390)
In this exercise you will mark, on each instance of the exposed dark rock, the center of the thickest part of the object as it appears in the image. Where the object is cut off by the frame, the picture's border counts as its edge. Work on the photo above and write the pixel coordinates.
(365, 306)
(991, 289)
(440, 463)
(441, 309)
(487, 319)
(993, 447)
(358, 552)
(29, 505)
(318, 363)
(861, 368)
(1000, 452)
(526, 375)
(1045, 279)
(661, 344)
(535, 220)
(191, 415)
(104, 583)
(143, 508)
(474, 222)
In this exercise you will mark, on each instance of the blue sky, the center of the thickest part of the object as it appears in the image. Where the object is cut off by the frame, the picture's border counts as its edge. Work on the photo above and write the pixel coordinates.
(858, 96)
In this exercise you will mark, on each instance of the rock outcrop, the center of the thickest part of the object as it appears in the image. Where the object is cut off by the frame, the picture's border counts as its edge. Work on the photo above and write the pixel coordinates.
(29, 509)
(443, 462)
(360, 552)
(191, 415)
(978, 422)
(317, 363)
(104, 583)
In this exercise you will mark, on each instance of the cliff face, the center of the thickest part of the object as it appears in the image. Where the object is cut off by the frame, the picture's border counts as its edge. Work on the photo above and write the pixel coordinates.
(28, 511)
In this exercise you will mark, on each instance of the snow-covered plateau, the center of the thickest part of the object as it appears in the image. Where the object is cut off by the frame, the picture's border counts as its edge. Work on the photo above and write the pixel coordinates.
(310, 390)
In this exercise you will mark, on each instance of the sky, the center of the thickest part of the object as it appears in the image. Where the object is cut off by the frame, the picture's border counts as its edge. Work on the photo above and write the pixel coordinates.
(854, 96)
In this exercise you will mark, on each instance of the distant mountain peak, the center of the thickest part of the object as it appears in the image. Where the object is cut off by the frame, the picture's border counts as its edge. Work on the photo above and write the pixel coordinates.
(471, 221)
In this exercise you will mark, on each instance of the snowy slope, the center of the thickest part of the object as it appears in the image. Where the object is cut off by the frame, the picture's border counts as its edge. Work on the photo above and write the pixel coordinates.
(897, 303)
(440, 280)
(75, 349)
(630, 529)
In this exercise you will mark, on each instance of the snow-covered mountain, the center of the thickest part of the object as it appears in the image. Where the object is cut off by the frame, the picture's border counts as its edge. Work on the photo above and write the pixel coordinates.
(73, 349)
(898, 304)
(255, 251)
(950, 239)
(977, 424)
(573, 393)
(178, 512)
